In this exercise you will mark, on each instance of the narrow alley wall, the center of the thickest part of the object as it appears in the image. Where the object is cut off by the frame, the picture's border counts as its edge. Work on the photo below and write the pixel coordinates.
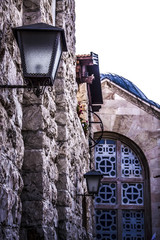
(44, 151)
(11, 141)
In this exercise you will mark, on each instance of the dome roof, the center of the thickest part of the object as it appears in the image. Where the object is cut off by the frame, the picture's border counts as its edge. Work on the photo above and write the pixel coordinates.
(129, 86)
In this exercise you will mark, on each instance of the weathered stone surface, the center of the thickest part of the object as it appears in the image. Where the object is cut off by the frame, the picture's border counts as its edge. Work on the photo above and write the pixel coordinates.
(36, 11)
(11, 141)
(33, 190)
(50, 136)
(9, 176)
(10, 211)
(30, 98)
(62, 134)
(9, 232)
(50, 214)
(61, 118)
(33, 166)
(32, 118)
(32, 213)
(64, 198)
(33, 140)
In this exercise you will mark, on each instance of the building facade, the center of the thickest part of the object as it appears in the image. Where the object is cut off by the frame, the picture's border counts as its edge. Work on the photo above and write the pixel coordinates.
(44, 147)
(128, 203)
(44, 151)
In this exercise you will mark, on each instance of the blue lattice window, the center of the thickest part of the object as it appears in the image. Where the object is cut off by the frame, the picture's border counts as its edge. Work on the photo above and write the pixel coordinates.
(119, 206)
(131, 166)
(106, 224)
(105, 157)
(107, 194)
(133, 222)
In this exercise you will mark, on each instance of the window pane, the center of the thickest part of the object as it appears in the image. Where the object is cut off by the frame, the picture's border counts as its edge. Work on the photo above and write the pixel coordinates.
(131, 166)
(35, 50)
(106, 226)
(105, 158)
(57, 59)
(132, 193)
(123, 176)
(107, 194)
(132, 225)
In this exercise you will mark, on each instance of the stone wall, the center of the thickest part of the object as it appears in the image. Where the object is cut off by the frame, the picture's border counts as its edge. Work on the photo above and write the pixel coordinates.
(44, 151)
(127, 115)
(11, 142)
(73, 158)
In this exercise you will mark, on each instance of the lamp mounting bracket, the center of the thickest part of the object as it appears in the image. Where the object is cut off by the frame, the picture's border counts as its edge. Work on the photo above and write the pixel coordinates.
(97, 121)
(13, 86)
(85, 195)
(37, 89)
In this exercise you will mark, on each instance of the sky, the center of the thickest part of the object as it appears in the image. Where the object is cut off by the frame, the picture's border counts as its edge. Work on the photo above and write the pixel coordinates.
(126, 36)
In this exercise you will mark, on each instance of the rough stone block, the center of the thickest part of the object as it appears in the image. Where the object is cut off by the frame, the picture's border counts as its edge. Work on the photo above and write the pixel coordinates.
(33, 160)
(50, 170)
(51, 129)
(32, 213)
(64, 213)
(61, 118)
(9, 233)
(33, 189)
(62, 134)
(64, 198)
(32, 13)
(10, 176)
(32, 118)
(50, 215)
(30, 98)
(49, 190)
(59, 85)
(10, 207)
(63, 165)
(33, 140)
(63, 182)
(50, 233)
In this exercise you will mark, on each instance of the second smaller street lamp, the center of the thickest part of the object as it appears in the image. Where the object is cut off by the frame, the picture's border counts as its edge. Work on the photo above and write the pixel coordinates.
(41, 46)
(93, 179)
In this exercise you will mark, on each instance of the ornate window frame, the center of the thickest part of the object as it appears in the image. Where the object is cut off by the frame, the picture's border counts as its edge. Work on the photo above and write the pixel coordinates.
(119, 181)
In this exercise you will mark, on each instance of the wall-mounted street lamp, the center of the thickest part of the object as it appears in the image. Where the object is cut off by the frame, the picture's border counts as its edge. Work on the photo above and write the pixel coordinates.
(93, 179)
(41, 46)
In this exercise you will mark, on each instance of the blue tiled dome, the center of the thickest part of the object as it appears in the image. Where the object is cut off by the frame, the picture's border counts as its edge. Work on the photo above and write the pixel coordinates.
(129, 86)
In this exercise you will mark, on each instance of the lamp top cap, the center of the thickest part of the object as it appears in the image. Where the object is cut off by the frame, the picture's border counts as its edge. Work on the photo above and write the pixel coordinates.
(93, 173)
(38, 26)
(41, 27)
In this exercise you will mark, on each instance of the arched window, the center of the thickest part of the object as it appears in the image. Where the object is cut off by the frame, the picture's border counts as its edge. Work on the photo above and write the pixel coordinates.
(122, 206)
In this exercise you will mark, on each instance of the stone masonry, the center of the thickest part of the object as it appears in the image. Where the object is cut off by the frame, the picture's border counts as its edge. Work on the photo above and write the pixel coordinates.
(44, 151)
(11, 141)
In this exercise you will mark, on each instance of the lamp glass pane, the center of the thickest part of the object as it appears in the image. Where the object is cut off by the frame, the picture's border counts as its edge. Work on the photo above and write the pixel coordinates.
(57, 59)
(38, 48)
(93, 184)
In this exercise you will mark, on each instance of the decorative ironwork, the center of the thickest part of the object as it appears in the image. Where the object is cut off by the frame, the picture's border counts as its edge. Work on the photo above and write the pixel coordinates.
(105, 157)
(106, 226)
(107, 194)
(37, 89)
(92, 141)
(131, 166)
(132, 225)
(132, 193)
